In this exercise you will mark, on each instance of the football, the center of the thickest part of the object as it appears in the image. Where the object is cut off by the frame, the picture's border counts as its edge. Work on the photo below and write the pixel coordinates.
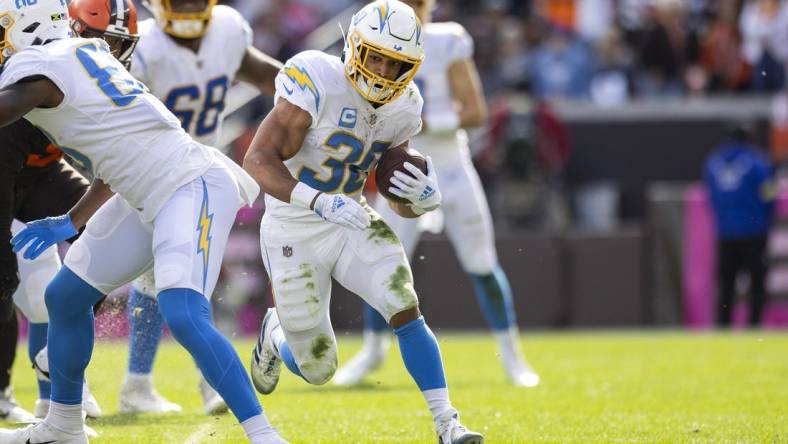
(392, 160)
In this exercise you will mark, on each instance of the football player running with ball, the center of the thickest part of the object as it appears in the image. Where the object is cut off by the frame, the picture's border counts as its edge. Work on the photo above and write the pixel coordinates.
(449, 77)
(332, 120)
(174, 204)
(188, 55)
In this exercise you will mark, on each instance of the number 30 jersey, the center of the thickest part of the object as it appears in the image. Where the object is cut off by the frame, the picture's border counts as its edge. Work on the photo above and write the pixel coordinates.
(193, 85)
(347, 135)
(109, 123)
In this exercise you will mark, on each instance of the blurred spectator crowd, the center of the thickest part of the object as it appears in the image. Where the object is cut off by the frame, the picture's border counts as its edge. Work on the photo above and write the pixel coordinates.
(605, 50)
(612, 50)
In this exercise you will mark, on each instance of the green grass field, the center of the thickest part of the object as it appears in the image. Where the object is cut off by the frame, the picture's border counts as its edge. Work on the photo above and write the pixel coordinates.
(596, 387)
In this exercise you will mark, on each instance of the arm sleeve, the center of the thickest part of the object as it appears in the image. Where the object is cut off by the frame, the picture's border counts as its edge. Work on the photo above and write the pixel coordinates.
(411, 128)
(461, 45)
(411, 116)
(237, 34)
(298, 84)
(24, 64)
(32, 62)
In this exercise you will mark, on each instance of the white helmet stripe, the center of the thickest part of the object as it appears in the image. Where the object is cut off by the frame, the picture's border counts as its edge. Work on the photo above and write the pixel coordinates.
(120, 18)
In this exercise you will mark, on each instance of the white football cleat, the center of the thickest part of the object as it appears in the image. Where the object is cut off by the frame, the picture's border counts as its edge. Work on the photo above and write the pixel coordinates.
(41, 433)
(137, 395)
(370, 358)
(450, 431)
(89, 404)
(266, 363)
(213, 403)
(521, 374)
(10, 409)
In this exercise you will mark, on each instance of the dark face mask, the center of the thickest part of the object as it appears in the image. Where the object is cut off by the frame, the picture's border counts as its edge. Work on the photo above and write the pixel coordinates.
(121, 47)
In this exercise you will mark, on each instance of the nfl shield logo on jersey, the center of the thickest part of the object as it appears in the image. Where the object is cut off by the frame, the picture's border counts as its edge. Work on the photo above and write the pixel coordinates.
(287, 251)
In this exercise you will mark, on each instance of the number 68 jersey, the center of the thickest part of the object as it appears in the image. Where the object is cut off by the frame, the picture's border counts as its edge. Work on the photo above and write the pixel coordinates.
(194, 85)
(109, 123)
(347, 135)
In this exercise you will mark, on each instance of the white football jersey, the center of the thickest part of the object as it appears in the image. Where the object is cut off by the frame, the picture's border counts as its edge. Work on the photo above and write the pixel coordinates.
(194, 85)
(109, 123)
(444, 44)
(347, 135)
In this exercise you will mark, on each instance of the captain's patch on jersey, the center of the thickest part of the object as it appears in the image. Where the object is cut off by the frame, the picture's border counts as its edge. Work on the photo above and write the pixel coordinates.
(347, 118)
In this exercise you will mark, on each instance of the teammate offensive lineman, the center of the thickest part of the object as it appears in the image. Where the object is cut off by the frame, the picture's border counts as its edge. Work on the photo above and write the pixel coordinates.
(39, 183)
(311, 155)
(188, 55)
(174, 205)
(448, 78)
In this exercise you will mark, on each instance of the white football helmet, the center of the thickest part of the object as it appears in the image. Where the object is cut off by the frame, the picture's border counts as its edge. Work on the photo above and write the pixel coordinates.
(31, 22)
(391, 28)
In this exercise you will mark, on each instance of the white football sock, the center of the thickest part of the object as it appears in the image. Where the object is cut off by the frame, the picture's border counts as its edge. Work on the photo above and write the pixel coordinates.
(376, 342)
(438, 401)
(65, 417)
(508, 342)
(257, 426)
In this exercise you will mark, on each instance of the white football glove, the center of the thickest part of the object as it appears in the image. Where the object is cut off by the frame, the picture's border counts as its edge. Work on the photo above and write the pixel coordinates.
(342, 210)
(420, 189)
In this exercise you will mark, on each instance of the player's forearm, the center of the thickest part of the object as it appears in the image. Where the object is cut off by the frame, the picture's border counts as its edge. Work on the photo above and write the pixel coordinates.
(473, 116)
(12, 106)
(22, 97)
(269, 170)
(98, 194)
(466, 88)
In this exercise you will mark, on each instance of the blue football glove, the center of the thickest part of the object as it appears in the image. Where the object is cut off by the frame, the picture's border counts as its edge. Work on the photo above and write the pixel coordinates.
(42, 234)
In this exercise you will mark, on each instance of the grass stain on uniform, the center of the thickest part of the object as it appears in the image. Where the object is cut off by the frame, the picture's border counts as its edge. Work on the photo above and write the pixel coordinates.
(312, 300)
(306, 272)
(401, 284)
(381, 233)
(320, 346)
